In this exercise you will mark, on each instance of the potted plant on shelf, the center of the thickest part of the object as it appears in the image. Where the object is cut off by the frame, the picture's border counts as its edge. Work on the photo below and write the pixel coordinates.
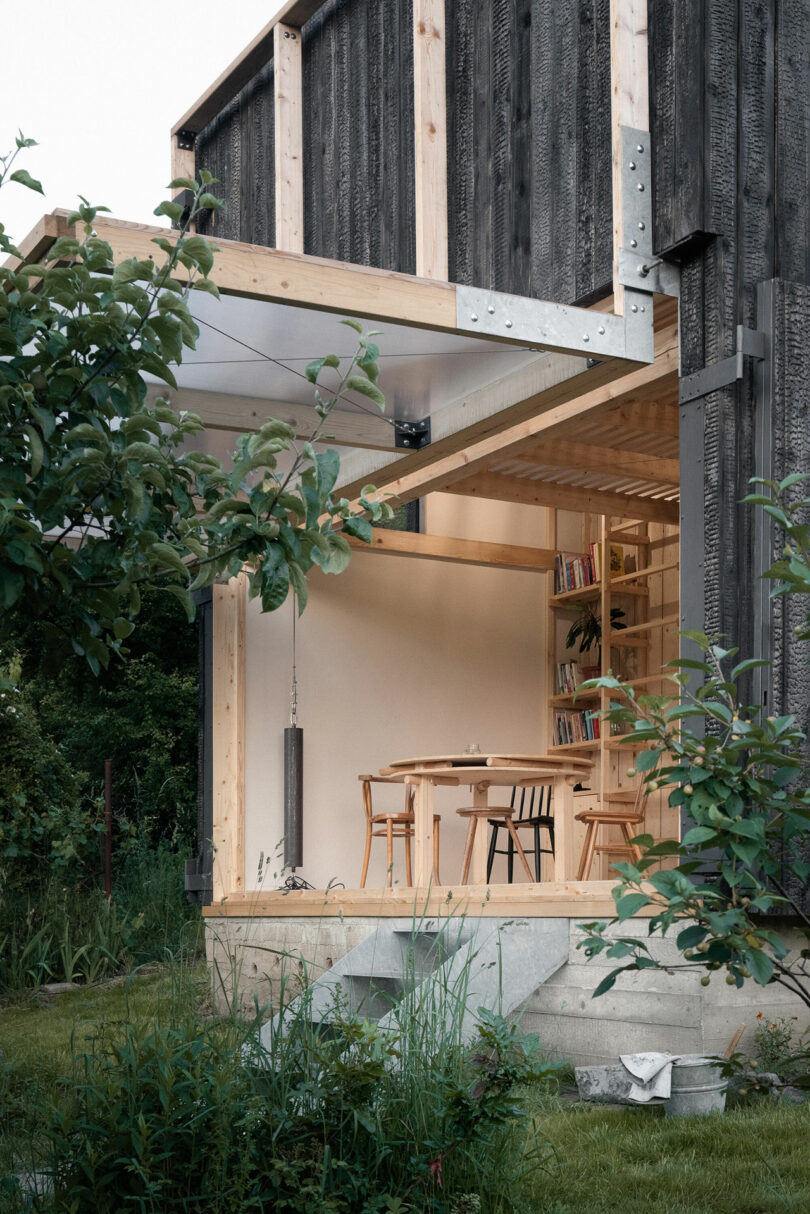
(587, 629)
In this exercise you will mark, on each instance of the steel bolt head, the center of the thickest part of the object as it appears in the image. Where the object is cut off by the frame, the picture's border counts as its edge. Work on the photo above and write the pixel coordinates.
(508, 324)
(641, 227)
(585, 337)
(491, 310)
(473, 316)
(640, 187)
(632, 164)
(602, 330)
(634, 308)
(633, 244)
(639, 147)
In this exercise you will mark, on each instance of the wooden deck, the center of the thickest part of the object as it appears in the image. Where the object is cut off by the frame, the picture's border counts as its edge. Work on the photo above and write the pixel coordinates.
(572, 900)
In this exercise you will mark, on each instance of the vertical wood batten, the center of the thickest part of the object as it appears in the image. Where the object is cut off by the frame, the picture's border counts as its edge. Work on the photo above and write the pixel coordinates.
(430, 138)
(289, 154)
(229, 738)
(630, 106)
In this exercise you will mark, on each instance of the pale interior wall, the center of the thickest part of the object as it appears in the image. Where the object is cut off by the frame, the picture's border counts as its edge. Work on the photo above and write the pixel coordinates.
(396, 657)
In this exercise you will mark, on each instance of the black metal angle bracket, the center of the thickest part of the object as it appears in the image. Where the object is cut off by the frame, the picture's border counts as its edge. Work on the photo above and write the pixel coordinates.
(413, 435)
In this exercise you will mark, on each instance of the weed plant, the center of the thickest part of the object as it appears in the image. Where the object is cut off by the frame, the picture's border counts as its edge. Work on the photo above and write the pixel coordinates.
(57, 932)
(335, 1114)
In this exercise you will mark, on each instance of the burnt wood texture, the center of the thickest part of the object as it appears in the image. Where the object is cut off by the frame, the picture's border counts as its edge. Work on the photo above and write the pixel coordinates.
(730, 123)
(529, 177)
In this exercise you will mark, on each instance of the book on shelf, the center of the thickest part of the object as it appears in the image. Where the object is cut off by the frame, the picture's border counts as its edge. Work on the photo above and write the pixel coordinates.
(569, 677)
(573, 571)
(571, 727)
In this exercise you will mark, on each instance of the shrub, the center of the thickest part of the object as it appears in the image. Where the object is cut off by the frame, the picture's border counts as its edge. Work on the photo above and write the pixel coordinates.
(345, 1116)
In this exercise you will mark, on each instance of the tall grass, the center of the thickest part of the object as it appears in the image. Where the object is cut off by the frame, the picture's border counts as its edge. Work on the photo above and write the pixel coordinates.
(340, 1115)
(63, 933)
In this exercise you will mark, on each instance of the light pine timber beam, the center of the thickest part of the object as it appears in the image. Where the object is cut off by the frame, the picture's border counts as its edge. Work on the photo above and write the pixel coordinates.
(495, 486)
(559, 453)
(460, 552)
(228, 744)
(648, 416)
(419, 474)
(243, 414)
(289, 138)
(299, 280)
(629, 104)
(430, 138)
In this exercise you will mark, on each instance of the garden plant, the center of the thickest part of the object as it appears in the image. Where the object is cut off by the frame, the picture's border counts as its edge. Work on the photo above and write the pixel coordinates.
(741, 776)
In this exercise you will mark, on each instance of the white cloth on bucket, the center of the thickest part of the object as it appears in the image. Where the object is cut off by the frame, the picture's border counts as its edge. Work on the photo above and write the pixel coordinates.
(651, 1073)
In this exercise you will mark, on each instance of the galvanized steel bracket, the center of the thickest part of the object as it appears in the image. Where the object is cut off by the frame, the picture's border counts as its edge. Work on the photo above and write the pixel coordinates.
(751, 343)
(582, 331)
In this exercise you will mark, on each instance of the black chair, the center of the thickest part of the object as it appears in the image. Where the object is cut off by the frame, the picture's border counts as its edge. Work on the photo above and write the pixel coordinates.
(533, 807)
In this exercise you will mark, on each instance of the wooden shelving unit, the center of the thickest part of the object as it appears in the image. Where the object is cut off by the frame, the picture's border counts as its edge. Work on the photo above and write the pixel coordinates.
(635, 653)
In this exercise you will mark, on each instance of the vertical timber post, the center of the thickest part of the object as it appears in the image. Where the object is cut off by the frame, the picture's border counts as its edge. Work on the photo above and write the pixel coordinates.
(229, 738)
(629, 105)
(289, 138)
(183, 162)
(762, 677)
(430, 138)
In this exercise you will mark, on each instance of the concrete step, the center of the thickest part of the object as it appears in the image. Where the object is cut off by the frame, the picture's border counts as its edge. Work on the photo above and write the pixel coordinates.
(494, 964)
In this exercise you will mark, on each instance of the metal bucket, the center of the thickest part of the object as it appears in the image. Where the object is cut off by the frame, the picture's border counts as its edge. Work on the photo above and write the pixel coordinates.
(697, 1088)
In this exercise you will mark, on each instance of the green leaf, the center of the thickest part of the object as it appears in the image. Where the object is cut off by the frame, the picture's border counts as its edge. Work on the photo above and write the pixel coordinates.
(691, 936)
(647, 760)
(340, 555)
(37, 450)
(760, 965)
(174, 210)
(356, 383)
(314, 368)
(182, 183)
(198, 248)
(23, 177)
(699, 834)
(164, 554)
(629, 904)
(183, 596)
(353, 324)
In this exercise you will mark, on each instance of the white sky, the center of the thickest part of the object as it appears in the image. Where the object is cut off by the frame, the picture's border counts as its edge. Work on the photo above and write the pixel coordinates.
(99, 86)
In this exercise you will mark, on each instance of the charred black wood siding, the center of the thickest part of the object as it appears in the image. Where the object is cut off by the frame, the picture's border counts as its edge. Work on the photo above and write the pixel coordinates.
(358, 140)
(529, 178)
(731, 120)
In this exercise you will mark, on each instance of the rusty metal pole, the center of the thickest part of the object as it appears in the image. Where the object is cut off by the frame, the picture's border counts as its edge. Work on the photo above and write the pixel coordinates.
(108, 828)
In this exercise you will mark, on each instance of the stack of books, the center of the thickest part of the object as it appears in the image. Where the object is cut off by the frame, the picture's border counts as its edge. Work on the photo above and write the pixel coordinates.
(571, 572)
(569, 677)
(574, 570)
(571, 727)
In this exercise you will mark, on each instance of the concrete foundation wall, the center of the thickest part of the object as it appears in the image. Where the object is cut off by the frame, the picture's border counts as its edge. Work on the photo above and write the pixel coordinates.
(646, 1011)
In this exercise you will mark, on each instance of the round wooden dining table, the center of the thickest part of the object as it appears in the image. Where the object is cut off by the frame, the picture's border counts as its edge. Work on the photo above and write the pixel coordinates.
(481, 772)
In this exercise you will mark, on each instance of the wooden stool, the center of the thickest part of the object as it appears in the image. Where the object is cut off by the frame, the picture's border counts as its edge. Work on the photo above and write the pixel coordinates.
(394, 826)
(594, 818)
(493, 813)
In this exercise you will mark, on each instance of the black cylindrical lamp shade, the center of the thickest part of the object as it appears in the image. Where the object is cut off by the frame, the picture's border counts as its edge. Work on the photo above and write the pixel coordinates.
(293, 797)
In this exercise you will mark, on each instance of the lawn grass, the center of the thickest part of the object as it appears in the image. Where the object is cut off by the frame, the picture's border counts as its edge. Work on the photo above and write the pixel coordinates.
(746, 1161)
(750, 1160)
(39, 1040)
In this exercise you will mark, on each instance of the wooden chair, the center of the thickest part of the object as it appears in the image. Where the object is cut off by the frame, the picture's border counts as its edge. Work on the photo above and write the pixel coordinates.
(495, 816)
(394, 826)
(631, 815)
(534, 813)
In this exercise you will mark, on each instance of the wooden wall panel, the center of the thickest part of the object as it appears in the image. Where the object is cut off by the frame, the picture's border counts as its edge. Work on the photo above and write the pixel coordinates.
(529, 146)
(238, 147)
(358, 133)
